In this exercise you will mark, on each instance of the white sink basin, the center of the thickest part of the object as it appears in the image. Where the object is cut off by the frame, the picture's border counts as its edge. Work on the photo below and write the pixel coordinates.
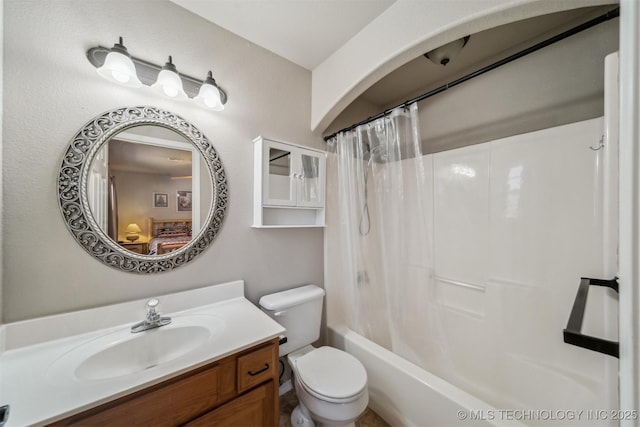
(122, 353)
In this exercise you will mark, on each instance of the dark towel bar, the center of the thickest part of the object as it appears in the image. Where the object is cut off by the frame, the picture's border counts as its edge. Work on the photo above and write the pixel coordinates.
(572, 333)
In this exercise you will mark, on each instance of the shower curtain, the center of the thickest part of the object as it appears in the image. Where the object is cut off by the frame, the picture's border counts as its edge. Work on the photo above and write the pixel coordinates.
(385, 242)
(466, 262)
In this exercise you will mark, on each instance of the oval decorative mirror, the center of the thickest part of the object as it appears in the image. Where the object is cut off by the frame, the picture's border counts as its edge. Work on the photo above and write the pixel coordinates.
(142, 190)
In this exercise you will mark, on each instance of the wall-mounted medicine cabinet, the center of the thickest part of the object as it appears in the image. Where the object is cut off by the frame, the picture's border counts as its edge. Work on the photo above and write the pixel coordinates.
(289, 185)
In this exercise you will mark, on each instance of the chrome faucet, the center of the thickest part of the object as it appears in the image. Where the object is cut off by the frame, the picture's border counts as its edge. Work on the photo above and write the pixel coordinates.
(153, 318)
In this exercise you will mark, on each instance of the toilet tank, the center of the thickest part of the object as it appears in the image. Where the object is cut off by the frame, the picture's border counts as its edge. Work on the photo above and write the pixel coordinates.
(299, 311)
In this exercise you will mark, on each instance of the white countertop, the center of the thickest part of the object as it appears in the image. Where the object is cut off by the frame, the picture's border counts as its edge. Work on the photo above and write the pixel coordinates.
(37, 397)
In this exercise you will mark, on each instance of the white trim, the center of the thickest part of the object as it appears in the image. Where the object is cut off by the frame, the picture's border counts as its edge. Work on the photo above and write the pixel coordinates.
(1, 159)
(629, 209)
(609, 170)
(152, 140)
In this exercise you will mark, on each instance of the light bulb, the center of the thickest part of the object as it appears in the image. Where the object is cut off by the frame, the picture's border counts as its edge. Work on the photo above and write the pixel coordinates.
(118, 67)
(209, 95)
(170, 91)
(169, 82)
(120, 76)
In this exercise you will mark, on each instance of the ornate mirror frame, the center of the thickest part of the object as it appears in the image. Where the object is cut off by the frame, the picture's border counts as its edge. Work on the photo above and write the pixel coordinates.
(73, 198)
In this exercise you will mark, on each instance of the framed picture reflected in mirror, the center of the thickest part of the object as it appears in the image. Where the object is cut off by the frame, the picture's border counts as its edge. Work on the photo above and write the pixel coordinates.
(184, 200)
(160, 200)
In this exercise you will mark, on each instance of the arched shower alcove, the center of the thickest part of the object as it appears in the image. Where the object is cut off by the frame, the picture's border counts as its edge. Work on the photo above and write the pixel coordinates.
(405, 31)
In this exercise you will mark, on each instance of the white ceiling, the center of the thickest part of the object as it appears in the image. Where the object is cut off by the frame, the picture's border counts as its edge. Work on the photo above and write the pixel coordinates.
(305, 32)
(148, 159)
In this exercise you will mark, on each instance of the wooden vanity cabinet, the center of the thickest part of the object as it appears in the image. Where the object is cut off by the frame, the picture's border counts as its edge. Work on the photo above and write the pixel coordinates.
(239, 390)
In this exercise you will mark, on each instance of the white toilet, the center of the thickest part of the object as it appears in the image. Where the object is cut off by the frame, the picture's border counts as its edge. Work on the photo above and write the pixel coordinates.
(331, 385)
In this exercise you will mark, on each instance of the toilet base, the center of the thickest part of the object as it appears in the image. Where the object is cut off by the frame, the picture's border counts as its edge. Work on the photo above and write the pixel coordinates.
(300, 417)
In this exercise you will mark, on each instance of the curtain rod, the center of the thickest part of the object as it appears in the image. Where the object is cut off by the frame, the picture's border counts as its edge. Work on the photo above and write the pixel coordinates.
(592, 23)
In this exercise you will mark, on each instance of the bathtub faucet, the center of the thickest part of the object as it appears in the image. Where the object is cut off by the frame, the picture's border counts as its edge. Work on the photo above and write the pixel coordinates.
(153, 318)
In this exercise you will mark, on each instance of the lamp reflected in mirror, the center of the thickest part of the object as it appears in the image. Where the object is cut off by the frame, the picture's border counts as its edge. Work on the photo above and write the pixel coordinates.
(133, 232)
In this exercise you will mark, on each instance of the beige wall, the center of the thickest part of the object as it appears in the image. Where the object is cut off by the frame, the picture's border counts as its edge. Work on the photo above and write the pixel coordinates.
(51, 91)
(560, 84)
(135, 199)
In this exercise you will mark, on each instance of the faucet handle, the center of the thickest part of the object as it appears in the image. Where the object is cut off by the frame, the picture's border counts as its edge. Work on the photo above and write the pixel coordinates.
(152, 314)
(153, 318)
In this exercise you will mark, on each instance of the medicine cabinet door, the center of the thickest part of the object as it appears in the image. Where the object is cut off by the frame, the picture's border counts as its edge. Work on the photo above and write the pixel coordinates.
(278, 176)
(310, 179)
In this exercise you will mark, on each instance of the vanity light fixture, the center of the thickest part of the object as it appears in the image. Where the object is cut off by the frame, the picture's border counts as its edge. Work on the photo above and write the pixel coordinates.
(119, 68)
(116, 65)
(209, 95)
(169, 82)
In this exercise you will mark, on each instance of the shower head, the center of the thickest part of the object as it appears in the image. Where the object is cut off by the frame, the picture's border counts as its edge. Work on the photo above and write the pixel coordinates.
(378, 154)
(373, 153)
(366, 151)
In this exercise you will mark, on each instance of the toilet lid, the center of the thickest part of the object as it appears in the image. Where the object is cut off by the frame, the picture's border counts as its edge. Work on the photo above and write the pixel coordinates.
(330, 372)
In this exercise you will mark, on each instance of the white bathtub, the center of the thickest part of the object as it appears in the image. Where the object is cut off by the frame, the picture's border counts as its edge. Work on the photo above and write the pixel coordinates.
(407, 395)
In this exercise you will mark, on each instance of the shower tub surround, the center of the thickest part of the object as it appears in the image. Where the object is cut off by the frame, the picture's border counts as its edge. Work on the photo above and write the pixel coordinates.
(34, 350)
(478, 316)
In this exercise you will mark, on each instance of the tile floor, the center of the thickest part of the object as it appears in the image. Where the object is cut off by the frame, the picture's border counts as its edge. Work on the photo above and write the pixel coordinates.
(288, 402)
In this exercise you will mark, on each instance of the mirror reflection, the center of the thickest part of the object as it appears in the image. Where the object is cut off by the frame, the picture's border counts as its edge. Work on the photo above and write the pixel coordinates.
(149, 190)
(279, 174)
(116, 198)
(310, 179)
(293, 178)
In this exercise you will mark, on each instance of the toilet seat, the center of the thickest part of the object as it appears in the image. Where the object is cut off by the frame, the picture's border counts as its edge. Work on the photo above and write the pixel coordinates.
(331, 375)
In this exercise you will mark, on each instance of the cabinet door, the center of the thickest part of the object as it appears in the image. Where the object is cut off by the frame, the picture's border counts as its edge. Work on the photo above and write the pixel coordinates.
(253, 409)
(165, 405)
(278, 186)
(310, 179)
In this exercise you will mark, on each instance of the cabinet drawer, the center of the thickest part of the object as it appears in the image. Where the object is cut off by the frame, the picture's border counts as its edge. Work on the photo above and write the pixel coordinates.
(257, 367)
